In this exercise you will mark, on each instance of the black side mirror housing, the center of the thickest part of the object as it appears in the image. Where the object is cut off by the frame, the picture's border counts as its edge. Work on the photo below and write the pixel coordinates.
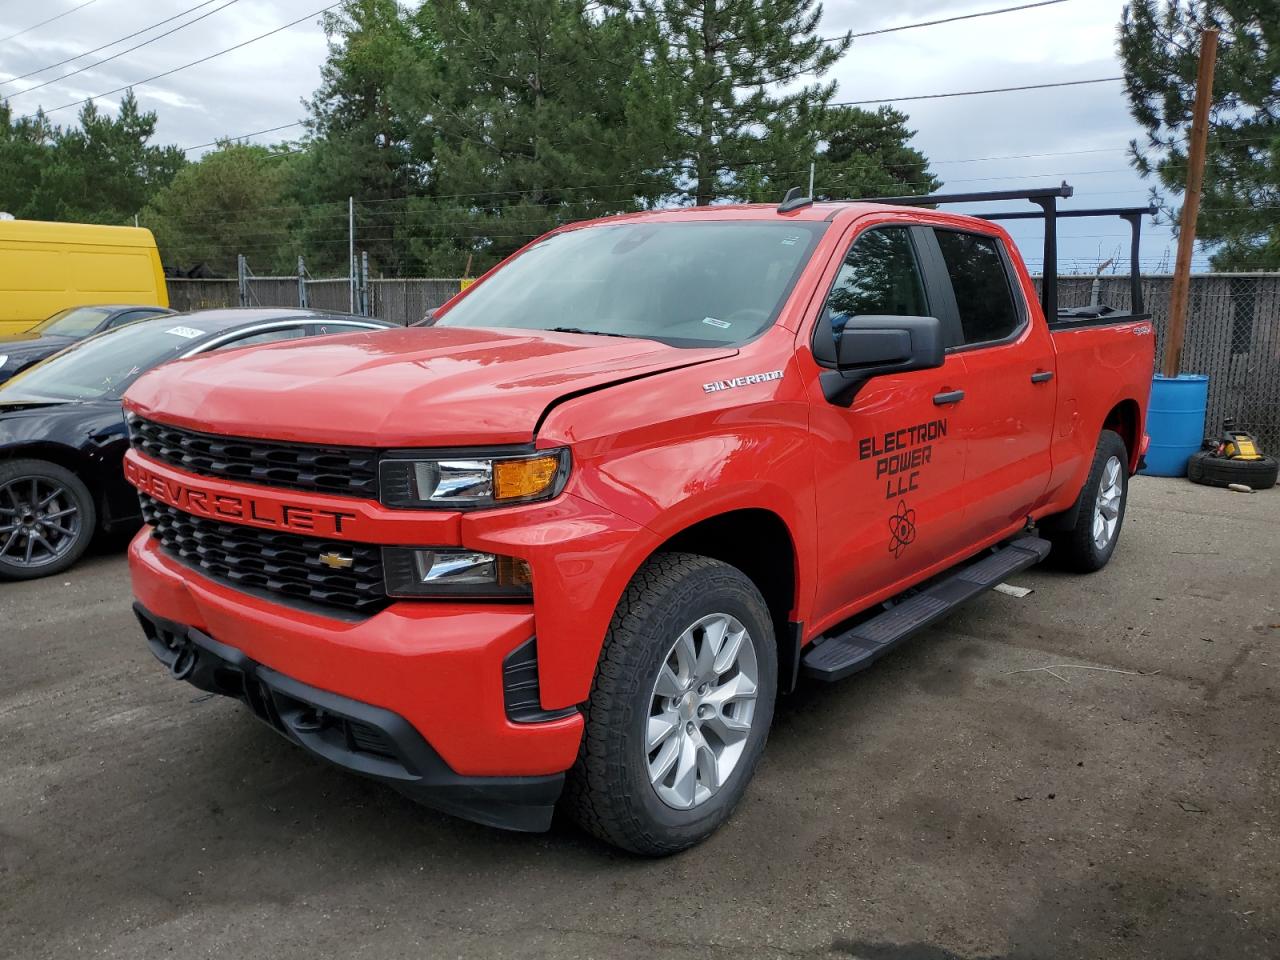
(871, 346)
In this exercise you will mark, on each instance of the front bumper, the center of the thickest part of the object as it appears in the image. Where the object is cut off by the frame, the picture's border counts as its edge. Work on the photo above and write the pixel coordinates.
(356, 736)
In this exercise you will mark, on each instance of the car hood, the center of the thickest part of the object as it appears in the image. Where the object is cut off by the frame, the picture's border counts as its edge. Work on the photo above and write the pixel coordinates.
(427, 386)
(29, 344)
(26, 422)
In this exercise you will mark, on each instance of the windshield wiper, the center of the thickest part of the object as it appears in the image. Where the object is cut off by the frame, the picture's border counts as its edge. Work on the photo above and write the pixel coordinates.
(595, 333)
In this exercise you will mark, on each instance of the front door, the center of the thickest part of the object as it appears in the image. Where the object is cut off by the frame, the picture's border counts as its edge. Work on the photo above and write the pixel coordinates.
(888, 468)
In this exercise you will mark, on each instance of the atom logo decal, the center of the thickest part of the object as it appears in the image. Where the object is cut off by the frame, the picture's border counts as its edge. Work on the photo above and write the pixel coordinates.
(902, 529)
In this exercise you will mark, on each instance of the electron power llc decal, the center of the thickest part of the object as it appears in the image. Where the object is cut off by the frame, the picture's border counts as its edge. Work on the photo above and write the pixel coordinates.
(901, 457)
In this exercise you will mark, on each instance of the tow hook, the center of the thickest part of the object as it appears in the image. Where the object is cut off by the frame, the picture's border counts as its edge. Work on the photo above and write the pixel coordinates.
(184, 662)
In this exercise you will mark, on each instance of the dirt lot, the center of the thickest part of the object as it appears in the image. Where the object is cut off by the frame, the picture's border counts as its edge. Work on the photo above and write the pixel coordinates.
(953, 802)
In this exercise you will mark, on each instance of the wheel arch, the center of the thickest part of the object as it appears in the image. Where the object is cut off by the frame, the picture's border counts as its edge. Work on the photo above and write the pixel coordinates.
(1125, 419)
(69, 459)
(757, 541)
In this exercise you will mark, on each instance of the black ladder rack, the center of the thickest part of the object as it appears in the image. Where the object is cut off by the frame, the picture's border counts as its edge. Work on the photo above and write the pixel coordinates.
(1046, 198)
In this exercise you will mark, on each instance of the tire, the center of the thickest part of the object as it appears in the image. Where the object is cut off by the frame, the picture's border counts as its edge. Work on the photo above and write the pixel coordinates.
(1214, 471)
(612, 791)
(1080, 548)
(51, 537)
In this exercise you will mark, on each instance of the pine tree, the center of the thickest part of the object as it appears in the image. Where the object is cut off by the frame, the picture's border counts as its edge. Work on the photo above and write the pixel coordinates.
(26, 147)
(1159, 44)
(533, 114)
(358, 143)
(721, 63)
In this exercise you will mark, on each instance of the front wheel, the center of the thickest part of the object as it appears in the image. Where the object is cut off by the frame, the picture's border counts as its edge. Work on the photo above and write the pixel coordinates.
(1089, 544)
(680, 708)
(47, 519)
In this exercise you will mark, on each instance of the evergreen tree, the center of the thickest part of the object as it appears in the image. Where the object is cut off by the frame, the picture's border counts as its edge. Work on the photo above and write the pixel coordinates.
(105, 170)
(26, 146)
(1159, 44)
(721, 64)
(855, 152)
(358, 143)
(531, 115)
(232, 201)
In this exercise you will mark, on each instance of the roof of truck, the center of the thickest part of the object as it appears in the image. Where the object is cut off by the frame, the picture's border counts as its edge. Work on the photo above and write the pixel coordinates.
(828, 210)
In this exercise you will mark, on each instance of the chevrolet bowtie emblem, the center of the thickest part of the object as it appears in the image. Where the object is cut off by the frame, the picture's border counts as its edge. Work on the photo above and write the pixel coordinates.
(336, 561)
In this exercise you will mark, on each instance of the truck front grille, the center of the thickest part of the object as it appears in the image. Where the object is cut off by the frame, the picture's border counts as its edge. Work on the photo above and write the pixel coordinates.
(284, 564)
(349, 471)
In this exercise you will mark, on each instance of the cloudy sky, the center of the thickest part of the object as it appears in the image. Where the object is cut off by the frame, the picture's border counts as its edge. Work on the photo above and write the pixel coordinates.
(987, 142)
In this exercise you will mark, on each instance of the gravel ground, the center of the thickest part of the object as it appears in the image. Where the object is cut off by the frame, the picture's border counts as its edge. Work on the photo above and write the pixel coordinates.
(956, 802)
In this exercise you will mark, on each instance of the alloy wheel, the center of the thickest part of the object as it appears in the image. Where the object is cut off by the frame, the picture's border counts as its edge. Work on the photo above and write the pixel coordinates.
(701, 709)
(39, 521)
(1106, 508)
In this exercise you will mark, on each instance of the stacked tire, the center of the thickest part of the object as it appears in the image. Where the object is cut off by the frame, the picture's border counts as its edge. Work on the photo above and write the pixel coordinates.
(1214, 471)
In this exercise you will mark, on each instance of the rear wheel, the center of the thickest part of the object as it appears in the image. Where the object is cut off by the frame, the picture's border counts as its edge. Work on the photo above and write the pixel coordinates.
(1089, 544)
(680, 708)
(47, 519)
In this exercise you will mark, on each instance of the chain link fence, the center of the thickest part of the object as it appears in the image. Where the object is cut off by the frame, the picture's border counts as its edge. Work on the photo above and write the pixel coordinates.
(1233, 327)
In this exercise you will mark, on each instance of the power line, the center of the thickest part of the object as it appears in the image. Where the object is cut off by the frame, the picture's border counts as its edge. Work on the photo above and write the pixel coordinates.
(241, 136)
(974, 93)
(934, 23)
(37, 26)
(85, 53)
(136, 46)
(193, 63)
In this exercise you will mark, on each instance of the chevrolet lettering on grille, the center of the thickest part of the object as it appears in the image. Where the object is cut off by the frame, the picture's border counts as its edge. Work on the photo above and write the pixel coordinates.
(236, 507)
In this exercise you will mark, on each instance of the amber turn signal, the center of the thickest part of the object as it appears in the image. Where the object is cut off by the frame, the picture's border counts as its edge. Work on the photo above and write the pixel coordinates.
(524, 479)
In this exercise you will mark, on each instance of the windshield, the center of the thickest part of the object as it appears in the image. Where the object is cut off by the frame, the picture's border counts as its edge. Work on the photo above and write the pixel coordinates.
(74, 322)
(102, 367)
(706, 283)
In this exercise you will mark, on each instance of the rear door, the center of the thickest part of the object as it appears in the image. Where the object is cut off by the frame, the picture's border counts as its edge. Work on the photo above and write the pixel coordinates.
(889, 467)
(1010, 393)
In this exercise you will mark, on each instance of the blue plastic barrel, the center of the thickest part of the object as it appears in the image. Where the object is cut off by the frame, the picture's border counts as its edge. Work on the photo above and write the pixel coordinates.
(1175, 422)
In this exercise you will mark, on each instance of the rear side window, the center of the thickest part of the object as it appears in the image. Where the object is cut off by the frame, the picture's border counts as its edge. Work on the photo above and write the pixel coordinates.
(984, 296)
(879, 276)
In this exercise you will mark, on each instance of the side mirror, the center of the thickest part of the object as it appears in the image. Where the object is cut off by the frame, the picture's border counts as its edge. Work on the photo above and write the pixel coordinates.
(871, 346)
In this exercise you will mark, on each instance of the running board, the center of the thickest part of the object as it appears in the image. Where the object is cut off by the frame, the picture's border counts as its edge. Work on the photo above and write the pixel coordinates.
(857, 648)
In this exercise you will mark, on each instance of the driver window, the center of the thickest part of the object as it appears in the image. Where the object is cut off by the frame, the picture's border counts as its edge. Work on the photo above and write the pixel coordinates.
(879, 276)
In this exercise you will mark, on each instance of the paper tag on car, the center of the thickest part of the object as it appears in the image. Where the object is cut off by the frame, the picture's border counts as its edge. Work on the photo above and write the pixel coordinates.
(713, 322)
(187, 333)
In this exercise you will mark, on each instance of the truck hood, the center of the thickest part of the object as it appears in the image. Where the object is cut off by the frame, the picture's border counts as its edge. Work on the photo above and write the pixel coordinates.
(414, 387)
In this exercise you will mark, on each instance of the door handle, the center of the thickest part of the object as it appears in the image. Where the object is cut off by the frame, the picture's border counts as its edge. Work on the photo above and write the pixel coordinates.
(948, 396)
(1042, 376)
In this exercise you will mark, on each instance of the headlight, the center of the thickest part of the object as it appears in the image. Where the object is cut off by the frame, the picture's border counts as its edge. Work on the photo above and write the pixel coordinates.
(453, 572)
(460, 482)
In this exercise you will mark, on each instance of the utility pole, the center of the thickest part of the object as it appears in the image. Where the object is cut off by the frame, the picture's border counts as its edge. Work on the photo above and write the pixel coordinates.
(302, 283)
(242, 278)
(1180, 293)
(351, 251)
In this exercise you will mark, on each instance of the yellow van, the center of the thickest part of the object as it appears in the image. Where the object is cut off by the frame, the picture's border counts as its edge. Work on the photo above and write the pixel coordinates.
(46, 267)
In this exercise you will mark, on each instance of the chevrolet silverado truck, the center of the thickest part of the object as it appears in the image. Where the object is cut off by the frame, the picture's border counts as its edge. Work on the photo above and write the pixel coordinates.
(568, 543)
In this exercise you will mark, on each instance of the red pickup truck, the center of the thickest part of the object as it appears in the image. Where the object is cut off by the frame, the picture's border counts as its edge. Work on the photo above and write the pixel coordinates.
(578, 534)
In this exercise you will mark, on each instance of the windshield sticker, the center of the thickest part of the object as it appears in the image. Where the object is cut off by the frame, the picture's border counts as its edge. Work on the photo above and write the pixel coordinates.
(187, 333)
(713, 322)
(790, 240)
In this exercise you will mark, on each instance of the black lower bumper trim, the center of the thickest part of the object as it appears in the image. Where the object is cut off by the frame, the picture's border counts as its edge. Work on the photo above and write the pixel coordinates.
(356, 736)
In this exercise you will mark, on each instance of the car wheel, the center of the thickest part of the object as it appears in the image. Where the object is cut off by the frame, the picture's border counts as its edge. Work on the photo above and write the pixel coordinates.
(1091, 542)
(680, 708)
(1214, 471)
(47, 519)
